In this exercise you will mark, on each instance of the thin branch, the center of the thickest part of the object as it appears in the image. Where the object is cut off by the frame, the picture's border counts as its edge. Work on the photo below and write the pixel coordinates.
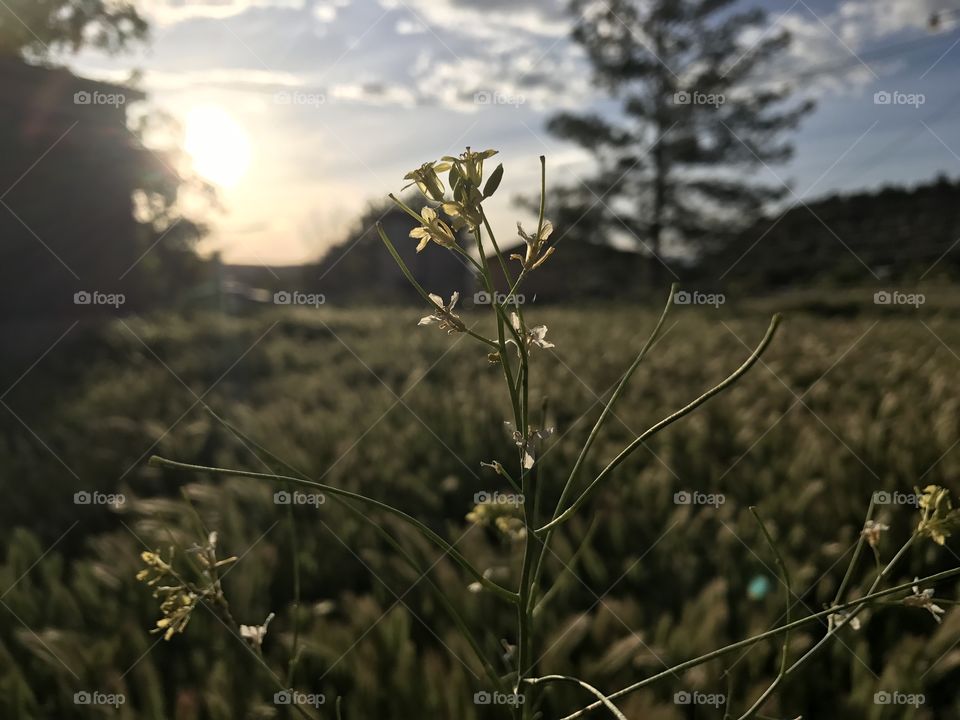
(730, 380)
(747, 642)
(785, 576)
(455, 555)
(589, 688)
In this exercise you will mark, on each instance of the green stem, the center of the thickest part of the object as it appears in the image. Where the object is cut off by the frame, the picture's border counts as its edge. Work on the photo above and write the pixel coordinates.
(502, 320)
(833, 631)
(429, 534)
(785, 577)
(568, 568)
(856, 556)
(589, 688)
(507, 275)
(438, 593)
(667, 421)
(295, 547)
(417, 286)
(686, 665)
(595, 432)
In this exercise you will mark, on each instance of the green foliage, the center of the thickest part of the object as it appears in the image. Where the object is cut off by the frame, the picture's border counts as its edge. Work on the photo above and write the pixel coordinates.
(676, 575)
(38, 28)
(695, 123)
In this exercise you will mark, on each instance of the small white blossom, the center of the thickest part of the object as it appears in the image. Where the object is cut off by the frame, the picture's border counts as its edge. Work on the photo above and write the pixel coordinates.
(872, 530)
(835, 619)
(534, 257)
(528, 444)
(535, 336)
(256, 633)
(433, 228)
(443, 315)
(924, 599)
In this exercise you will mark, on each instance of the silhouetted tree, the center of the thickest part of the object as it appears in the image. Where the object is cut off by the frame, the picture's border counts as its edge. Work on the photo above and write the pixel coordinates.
(673, 164)
(37, 28)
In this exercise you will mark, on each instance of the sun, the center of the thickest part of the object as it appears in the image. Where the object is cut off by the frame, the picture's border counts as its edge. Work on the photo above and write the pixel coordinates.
(217, 144)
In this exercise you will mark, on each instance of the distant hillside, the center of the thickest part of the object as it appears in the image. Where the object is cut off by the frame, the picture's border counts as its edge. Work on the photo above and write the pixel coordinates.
(894, 234)
(897, 233)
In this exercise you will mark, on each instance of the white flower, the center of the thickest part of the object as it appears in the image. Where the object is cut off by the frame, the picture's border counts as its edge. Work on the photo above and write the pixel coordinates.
(535, 336)
(538, 336)
(433, 228)
(924, 600)
(533, 257)
(256, 633)
(529, 444)
(872, 530)
(443, 315)
(837, 618)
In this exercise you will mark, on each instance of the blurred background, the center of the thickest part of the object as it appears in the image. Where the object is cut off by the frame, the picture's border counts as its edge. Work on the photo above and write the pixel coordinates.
(188, 267)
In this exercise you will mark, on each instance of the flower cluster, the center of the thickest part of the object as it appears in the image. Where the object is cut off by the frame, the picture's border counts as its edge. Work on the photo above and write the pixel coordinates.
(179, 597)
(938, 516)
(535, 255)
(462, 206)
(465, 175)
(505, 517)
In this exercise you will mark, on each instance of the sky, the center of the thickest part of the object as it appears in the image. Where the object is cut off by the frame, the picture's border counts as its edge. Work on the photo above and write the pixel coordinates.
(305, 111)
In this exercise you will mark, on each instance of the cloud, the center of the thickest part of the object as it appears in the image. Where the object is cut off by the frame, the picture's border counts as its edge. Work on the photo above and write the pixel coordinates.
(864, 20)
(169, 12)
(410, 27)
(522, 76)
(831, 51)
(490, 18)
(400, 78)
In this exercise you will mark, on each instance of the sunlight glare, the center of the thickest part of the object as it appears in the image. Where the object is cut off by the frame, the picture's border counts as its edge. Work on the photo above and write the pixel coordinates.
(217, 144)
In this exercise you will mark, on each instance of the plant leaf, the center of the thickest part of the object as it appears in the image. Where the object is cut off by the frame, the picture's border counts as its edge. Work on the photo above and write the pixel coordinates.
(493, 182)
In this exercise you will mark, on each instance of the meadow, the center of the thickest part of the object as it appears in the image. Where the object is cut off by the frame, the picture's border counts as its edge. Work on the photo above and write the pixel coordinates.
(668, 563)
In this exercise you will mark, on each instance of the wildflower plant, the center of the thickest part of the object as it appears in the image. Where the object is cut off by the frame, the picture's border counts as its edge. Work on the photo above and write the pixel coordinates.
(454, 219)
(182, 590)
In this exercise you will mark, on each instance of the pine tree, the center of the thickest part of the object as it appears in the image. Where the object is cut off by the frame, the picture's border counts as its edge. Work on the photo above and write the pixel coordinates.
(38, 29)
(695, 122)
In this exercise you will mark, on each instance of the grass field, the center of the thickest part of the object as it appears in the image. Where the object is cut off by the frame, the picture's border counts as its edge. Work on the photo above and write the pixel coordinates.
(851, 399)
